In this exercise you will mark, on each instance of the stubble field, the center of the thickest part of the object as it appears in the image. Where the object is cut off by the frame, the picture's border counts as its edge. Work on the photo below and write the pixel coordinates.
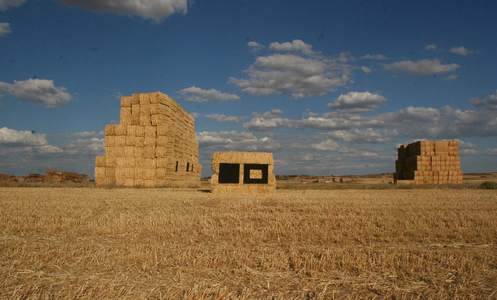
(130, 243)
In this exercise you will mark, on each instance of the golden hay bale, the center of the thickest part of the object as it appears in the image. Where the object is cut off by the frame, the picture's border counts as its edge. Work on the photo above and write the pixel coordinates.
(110, 129)
(149, 152)
(120, 130)
(130, 140)
(163, 130)
(126, 101)
(100, 161)
(120, 141)
(162, 140)
(149, 141)
(148, 163)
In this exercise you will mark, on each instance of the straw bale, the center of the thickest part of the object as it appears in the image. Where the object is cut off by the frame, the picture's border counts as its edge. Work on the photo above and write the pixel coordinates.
(162, 162)
(145, 120)
(163, 130)
(120, 141)
(126, 101)
(149, 183)
(149, 152)
(144, 99)
(161, 151)
(110, 140)
(131, 130)
(151, 131)
(162, 141)
(139, 182)
(135, 109)
(148, 174)
(99, 172)
(110, 172)
(110, 161)
(100, 161)
(161, 173)
(129, 151)
(149, 141)
(130, 140)
(120, 130)
(110, 129)
(138, 152)
(149, 163)
(129, 172)
(139, 131)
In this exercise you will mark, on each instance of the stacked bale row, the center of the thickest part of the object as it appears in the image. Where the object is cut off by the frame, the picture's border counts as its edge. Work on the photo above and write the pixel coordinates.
(429, 162)
(154, 145)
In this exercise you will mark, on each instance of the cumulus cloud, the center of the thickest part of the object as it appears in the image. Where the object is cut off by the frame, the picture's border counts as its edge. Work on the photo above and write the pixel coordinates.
(295, 45)
(196, 94)
(255, 46)
(4, 29)
(374, 57)
(236, 140)
(367, 135)
(463, 51)
(6, 4)
(357, 102)
(487, 102)
(296, 75)
(422, 67)
(156, 10)
(326, 145)
(40, 91)
(23, 141)
(223, 118)
(431, 47)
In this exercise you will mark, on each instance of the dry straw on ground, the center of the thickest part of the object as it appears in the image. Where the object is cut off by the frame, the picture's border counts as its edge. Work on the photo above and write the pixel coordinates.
(129, 244)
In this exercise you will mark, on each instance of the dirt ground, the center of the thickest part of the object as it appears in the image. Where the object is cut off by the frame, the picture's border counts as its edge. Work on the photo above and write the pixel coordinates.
(305, 244)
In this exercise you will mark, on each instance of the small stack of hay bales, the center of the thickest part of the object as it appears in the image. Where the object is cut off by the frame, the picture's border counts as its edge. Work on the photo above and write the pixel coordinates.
(154, 145)
(429, 162)
(243, 171)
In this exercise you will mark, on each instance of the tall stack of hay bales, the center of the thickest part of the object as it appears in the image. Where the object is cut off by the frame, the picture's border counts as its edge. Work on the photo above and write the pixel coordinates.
(154, 145)
(429, 162)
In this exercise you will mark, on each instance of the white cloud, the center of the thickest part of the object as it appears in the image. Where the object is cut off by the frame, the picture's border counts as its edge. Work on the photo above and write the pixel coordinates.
(255, 46)
(463, 51)
(6, 4)
(487, 102)
(38, 91)
(4, 29)
(298, 76)
(368, 135)
(196, 94)
(156, 10)
(374, 57)
(357, 102)
(366, 70)
(22, 141)
(295, 45)
(326, 145)
(431, 47)
(89, 146)
(223, 118)
(421, 67)
(235, 140)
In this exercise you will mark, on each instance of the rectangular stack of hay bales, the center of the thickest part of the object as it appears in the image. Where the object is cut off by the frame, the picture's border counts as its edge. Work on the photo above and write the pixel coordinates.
(429, 162)
(256, 171)
(154, 145)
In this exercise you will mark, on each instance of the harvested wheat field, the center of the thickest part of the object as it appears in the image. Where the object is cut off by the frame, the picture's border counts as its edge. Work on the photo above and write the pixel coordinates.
(131, 243)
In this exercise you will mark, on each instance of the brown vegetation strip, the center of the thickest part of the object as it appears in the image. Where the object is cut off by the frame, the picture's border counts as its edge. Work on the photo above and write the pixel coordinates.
(125, 243)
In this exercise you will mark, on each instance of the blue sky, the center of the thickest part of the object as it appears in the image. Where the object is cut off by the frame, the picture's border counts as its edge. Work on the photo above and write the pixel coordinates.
(331, 87)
